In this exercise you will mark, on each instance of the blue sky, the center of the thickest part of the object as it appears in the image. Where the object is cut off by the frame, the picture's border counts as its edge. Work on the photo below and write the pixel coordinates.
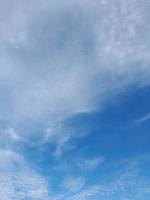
(74, 100)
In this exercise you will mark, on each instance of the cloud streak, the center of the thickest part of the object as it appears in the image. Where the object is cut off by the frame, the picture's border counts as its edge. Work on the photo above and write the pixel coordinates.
(146, 117)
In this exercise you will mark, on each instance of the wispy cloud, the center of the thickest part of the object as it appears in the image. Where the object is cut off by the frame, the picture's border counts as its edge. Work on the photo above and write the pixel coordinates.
(90, 164)
(18, 180)
(64, 67)
(82, 164)
(142, 119)
(124, 181)
(59, 59)
(73, 184)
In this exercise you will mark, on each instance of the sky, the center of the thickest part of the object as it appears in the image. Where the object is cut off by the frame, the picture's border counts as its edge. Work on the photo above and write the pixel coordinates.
(74, 100)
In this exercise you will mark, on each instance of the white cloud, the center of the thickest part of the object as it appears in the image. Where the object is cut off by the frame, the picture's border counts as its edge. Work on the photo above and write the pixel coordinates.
(58, 136)
(85, 194)
(142, 119)
(125, 184)
(59, 59)
(64, 85)
(90, 164)
(18, 180)
(10, 134)
(73, 184)
(80, 164)
(118, 33)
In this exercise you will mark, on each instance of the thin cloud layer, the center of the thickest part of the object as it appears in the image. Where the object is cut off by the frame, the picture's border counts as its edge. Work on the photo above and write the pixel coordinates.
(53, 56)
(127, 184)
